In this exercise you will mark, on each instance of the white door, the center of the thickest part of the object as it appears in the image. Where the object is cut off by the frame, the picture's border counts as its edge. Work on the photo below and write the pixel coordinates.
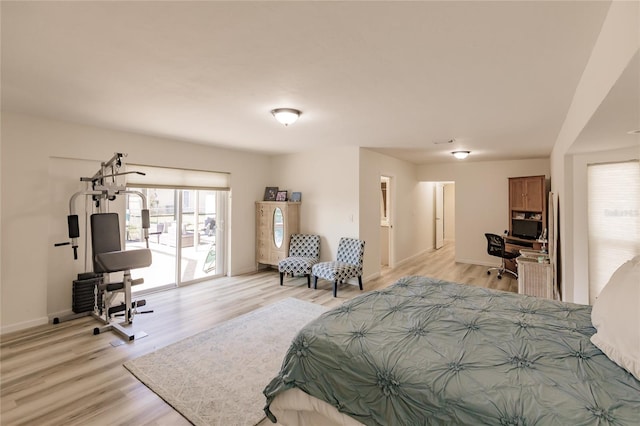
(439, 216)
(385, 220)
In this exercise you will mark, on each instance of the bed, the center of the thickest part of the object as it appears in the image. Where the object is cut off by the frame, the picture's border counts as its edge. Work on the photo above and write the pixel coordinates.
(425, 351)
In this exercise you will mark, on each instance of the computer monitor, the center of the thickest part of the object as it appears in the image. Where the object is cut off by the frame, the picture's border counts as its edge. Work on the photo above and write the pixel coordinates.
(526, 229)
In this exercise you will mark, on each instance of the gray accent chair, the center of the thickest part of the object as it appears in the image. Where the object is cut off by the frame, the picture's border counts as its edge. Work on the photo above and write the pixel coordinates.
(348, 264)
(304, 252)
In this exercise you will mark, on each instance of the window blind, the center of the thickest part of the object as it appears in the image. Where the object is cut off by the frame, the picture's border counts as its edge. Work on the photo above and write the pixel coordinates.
(613, 192)
(164, 177)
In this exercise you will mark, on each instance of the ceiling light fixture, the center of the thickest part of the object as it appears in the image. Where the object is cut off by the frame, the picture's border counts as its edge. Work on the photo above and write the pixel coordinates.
(461, 155)
(286, 116)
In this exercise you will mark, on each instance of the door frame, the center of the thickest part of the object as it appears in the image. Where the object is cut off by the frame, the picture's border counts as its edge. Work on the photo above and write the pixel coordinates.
(439, 215)
(388, 220)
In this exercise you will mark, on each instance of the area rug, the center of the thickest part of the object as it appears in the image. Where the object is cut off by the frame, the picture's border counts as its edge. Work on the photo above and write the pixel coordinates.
(216, 377)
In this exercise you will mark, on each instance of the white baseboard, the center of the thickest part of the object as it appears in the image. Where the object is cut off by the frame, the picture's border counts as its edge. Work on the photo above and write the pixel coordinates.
(61, 314)
(408, 259)
(244, 271)
(23, 325)
(364, 279)
(478, 262)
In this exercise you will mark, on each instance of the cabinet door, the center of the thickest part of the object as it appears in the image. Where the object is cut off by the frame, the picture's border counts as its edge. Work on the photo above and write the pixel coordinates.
(534, 190)
(517, 194)
(264, 233)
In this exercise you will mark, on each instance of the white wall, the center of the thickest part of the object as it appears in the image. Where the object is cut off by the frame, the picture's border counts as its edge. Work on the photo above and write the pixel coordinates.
(30, 224)
(425, 200)
(481, 199)
(328, 180)
(617, 43)
(449, 191)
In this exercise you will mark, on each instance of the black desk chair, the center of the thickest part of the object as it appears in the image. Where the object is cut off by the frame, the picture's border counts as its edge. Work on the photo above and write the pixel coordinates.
(495, 247)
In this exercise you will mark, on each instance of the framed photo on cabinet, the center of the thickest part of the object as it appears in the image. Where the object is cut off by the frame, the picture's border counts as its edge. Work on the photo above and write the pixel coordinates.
(281, 196)
(270, 193)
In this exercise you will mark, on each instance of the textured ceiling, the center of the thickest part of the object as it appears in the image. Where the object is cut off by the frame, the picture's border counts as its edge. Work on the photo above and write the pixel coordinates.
(498, 77)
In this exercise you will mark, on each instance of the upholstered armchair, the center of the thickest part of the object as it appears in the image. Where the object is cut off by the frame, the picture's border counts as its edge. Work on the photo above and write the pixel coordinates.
(304, 252)
(348, 264)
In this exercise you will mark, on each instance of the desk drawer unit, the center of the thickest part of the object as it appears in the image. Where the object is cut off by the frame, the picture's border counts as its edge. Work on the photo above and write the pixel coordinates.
(535, 279)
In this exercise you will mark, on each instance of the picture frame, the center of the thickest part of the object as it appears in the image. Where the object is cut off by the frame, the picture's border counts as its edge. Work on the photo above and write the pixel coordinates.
(281, 195)
(270, 193)
(296, 197)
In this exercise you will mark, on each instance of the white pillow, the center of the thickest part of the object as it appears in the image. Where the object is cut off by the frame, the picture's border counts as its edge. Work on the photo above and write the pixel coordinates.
(616, 317)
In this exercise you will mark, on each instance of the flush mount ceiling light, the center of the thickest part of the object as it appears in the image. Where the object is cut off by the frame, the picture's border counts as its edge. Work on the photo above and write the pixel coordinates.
(286, 116)
(461, 155)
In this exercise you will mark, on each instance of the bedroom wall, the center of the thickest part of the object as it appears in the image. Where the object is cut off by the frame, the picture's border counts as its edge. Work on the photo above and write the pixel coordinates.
(328, 180)
(617, 44)
(29, 143)
(481, 200)
(449, 191)
(425, 200)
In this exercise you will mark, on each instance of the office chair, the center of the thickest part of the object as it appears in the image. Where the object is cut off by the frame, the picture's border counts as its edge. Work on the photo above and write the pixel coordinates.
(495, 247)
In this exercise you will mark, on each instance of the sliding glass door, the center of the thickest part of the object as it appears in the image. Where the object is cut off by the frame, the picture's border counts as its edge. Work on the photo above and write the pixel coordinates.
(186, 235)
(199, 249)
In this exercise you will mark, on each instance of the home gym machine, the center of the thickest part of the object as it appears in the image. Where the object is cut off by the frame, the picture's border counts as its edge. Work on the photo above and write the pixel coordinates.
(107, 254)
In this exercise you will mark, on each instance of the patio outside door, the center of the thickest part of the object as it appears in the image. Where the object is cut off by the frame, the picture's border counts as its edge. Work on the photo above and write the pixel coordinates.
(186, 228)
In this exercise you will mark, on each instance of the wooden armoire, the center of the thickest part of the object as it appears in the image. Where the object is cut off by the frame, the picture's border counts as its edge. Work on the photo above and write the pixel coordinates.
(275, 222)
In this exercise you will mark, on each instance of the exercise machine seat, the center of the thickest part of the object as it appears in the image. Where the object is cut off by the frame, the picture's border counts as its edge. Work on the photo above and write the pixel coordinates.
(115, 261)
(108, 255)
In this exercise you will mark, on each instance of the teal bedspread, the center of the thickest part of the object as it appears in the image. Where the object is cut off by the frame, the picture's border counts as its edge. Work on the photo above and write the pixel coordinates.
(425, 352)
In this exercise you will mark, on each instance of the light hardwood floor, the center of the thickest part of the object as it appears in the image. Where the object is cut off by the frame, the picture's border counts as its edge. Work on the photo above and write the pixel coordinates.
(64, 375)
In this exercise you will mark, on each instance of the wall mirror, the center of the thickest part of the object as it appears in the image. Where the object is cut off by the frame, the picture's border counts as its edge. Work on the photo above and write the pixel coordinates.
(278, 227)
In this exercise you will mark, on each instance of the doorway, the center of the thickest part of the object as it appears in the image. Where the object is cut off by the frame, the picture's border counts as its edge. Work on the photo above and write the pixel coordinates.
(439, 216)
(186, 235)
(444, 213)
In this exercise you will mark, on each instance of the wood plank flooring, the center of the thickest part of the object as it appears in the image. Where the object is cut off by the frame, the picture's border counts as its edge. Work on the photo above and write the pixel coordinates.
(64, 375)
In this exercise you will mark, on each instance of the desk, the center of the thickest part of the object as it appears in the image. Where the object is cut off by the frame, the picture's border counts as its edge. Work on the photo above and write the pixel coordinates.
(515, 244)
(521, 243)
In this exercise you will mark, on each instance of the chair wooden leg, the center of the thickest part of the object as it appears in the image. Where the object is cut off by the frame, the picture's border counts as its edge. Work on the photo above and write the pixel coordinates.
(315, 282)
(335, 289)
(308, 280)
(360, 282)
(281, 277)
